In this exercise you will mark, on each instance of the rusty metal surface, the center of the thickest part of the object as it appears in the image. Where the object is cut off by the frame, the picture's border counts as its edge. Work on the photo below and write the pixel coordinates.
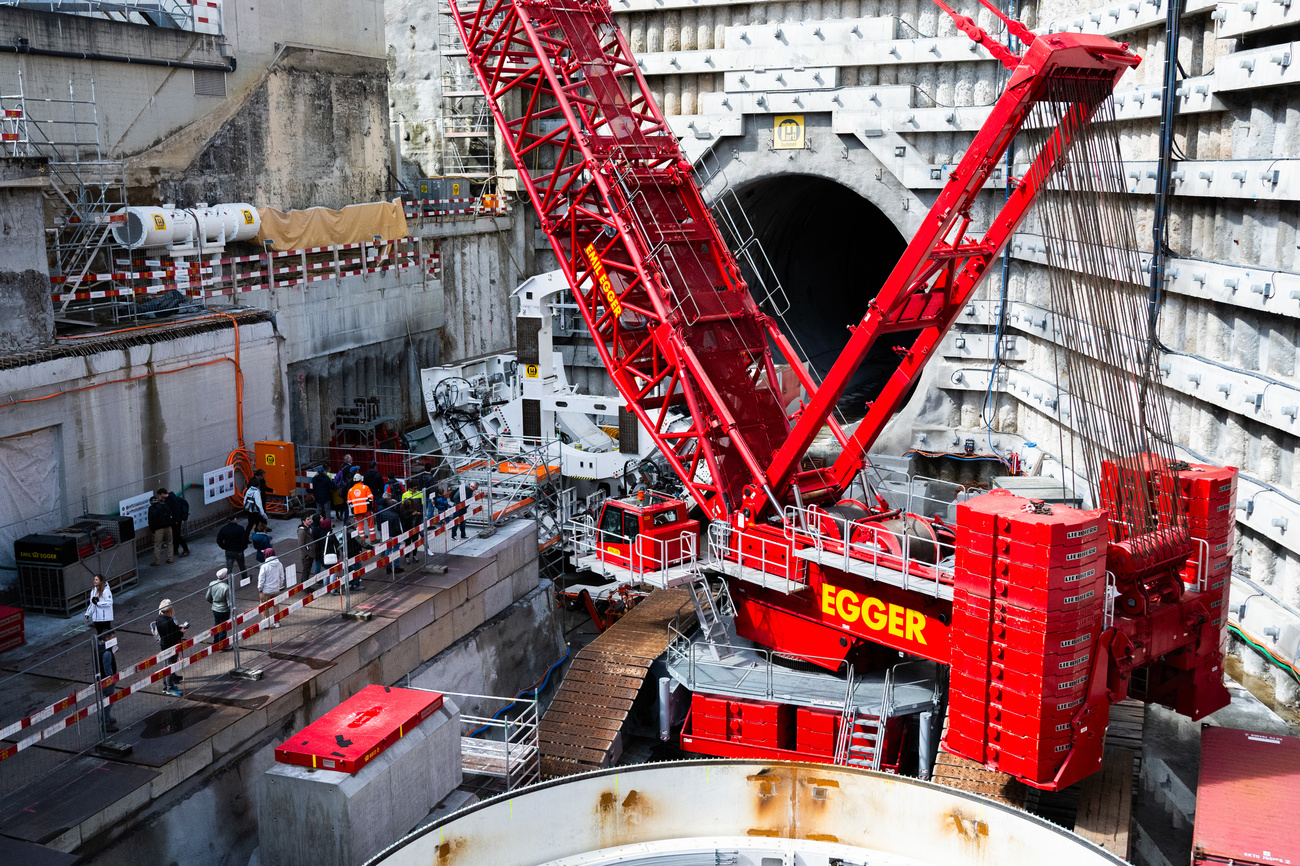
(581, 726)
(740, 811)
(1246, 798)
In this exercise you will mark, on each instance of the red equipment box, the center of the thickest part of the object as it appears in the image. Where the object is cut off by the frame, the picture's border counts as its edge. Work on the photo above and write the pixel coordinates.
(979, 567)
(1090, 581)
(1020, 617)
(356, 731)
(1001, 513)
(1027, 553)
(816, 731)
(757, 723)
(1245, 800)
(1026, 656)
(1209, 483)
(13, 629)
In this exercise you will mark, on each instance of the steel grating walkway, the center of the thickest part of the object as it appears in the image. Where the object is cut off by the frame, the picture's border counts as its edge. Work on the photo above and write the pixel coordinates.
(582, 724)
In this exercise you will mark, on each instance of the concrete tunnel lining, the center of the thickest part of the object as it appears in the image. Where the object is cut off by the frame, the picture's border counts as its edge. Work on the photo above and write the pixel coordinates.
(831, 250)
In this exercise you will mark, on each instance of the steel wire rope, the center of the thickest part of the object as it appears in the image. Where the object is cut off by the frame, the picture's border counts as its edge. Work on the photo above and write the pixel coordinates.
(1092, 256)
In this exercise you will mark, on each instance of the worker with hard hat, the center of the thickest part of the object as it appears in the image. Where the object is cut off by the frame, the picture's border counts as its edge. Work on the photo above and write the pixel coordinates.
(361, 505)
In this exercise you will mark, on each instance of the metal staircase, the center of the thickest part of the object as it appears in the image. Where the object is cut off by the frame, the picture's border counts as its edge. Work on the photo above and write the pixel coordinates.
(712, 626)
(86, 188)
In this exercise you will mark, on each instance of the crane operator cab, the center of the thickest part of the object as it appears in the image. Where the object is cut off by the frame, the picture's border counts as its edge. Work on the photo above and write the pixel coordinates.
(646, 531)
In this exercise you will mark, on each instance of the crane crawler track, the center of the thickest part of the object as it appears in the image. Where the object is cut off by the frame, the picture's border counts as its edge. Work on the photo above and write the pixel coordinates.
(582, 724)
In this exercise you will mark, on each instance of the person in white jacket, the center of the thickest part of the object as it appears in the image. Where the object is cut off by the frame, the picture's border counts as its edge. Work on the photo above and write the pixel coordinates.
(270, 581)
(99, 612)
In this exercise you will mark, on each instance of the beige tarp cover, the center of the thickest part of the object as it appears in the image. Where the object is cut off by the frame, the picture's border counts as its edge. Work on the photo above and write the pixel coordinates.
(322, 227)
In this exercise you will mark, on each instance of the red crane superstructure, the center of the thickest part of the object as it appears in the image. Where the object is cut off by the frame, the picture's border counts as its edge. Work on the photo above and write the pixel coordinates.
(1024, 619)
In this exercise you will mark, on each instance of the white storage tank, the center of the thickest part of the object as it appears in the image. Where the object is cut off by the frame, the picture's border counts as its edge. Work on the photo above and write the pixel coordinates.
(191, 228)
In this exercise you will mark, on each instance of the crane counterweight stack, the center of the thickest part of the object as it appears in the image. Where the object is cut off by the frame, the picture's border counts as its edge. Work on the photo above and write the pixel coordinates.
(1048, 612)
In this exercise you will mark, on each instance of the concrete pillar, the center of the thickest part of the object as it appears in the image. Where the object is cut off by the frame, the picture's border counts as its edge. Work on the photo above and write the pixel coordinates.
(672, 31)
(689, 90)
(672, 101)
(26, 308)
(687, 25)
(328, 818)
(654, 34)
(637, 35)
(704, 29)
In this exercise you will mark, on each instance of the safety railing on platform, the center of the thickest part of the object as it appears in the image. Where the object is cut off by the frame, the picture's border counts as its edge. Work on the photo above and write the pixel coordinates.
(755, 557)
(868, 548)
(197, 16)
(659, 562)
(694, 656)
(219, 276)
(495, 744)
(64, 726)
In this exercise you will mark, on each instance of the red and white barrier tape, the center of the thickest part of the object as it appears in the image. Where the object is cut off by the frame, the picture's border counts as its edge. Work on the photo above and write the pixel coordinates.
(394, 548)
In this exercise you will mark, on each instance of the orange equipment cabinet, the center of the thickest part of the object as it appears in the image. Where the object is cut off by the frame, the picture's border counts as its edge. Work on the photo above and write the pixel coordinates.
(281, 470)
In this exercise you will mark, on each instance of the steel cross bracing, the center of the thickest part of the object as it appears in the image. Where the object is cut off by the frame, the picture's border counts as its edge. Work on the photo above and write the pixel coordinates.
(661, 294)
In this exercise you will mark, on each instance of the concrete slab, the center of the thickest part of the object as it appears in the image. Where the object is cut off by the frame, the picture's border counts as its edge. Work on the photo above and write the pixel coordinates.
(68, 795)
(31, 854)
(327, 818)
(23, 694)
(165, 734)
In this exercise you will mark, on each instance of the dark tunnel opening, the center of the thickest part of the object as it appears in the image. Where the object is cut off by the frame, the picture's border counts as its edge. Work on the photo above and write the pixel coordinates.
(831, 250)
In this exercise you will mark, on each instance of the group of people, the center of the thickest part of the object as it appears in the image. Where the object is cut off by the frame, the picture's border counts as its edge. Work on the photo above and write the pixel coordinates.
(167, 515)
(366, 501)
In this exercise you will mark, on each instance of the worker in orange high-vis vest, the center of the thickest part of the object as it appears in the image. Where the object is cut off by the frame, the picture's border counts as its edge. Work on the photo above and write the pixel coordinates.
(361, 503)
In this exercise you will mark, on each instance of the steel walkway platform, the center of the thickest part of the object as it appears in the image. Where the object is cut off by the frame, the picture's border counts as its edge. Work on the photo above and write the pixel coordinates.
(580, 730)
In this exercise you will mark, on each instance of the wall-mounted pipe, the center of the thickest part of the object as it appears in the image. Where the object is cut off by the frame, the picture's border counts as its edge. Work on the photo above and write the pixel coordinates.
(22, 47)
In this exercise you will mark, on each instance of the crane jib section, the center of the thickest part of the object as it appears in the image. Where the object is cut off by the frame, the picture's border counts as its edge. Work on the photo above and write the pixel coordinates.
(689, 350)
(673, 320)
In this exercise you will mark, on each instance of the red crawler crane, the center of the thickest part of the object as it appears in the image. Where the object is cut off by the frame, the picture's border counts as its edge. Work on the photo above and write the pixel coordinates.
(1022, 620)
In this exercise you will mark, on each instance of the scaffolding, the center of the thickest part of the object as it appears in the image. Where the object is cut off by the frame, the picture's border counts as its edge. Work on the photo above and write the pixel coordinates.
(523, 480)
(87, 189)
(467, 137)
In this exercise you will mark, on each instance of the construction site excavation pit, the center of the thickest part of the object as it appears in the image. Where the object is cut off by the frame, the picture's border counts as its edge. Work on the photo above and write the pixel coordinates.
(744, 813)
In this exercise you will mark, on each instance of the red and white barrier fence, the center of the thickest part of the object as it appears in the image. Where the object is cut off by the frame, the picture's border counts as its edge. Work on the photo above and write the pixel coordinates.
(215, 277)
(392, 550)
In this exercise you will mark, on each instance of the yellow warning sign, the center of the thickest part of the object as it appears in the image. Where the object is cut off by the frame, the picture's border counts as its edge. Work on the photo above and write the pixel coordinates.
(455, 189)
(602, 279)
(787, 132)
(159, 223)
(531, 371)
(270, 459)
(248, 217)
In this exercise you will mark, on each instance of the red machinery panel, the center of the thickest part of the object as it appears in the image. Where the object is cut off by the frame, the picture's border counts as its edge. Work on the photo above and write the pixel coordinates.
(816, 731)
(1245, 800)
(12, 628)
(757, 723)
(356, 731)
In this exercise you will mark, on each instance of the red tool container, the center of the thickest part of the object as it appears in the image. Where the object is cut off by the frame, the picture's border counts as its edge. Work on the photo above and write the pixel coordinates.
(356, 731)
(1245, 800)
(13, 632)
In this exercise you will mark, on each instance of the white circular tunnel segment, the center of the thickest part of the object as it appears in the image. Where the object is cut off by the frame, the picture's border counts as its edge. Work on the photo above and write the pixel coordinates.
(745, 813)
(831, 250)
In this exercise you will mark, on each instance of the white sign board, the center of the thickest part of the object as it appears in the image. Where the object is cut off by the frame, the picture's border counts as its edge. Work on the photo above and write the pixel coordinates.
(136, 508)
(218, 484)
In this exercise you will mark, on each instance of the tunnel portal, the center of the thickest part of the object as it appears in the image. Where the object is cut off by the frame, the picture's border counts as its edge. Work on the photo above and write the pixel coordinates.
(831, 250)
